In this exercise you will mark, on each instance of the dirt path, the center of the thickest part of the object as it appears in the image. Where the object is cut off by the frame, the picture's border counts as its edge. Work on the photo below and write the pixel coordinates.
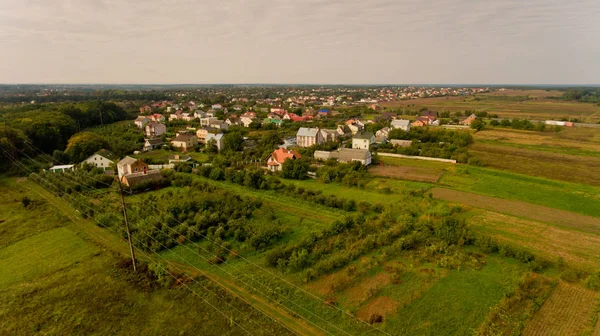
(108, 240)
(521, 209)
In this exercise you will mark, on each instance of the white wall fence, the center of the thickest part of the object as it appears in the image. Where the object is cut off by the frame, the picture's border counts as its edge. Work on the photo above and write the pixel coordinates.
(426, 158)
(162, 166)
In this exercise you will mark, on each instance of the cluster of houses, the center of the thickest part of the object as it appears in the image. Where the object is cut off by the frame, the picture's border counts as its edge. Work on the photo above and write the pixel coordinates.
(130, 171)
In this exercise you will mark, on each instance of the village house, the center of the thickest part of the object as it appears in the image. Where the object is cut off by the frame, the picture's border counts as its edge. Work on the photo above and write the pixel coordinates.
(155, 129)
(363, 141)
(150, 144)
(146, 176)
(278, 157)
(382, 135)
(400, 124)
(468, 120)
(346, 155)
(130, 165)
(145, 109)
(217, 107)
(420, 122)
(306, 137)
(102, 159)
(232, 121)
(246, 121)
(218, 138)
(329, 135)
(157, 117)
(141, 121)
(185, 141)
(278, 110)
(343, 131)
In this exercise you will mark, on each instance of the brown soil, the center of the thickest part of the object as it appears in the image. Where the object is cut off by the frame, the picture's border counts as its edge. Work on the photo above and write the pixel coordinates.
(381, 305)
(366, 288)
(406, 173)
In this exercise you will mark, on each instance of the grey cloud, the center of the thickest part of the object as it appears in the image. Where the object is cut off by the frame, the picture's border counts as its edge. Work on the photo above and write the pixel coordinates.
(291, 41)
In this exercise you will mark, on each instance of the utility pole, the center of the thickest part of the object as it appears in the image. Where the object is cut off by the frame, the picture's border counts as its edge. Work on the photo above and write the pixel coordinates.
(127, 225)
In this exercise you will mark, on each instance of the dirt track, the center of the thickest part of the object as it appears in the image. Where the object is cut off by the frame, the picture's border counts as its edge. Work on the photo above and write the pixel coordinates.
(521, 209)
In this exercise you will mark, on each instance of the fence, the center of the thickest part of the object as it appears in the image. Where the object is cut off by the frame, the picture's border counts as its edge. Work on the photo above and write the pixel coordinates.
(426, 158)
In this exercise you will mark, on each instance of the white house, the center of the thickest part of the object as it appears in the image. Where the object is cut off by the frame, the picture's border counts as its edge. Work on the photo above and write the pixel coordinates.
(307, 137)
(155, 129)
(246, 121)
(141, 121)
(382, 135)
(401, 124)
(102, 159)
(363, 141)
(217, 137)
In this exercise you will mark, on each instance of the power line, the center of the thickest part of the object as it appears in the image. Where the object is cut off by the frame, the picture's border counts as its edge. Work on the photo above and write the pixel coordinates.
(224, 270)
(257, 266)
(174, 277)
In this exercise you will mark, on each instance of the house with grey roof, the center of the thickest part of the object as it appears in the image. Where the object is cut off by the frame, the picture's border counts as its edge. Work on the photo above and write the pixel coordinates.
(306, 137)
(102, 159)
(363, 140)
(401, 124)
(217, 137)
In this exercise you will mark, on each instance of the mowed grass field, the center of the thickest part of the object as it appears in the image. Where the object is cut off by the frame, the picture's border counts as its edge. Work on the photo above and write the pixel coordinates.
(56, 279)
(538, 107)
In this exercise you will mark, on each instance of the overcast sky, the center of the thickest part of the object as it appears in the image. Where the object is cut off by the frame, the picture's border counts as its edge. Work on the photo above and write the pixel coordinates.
(300, 41)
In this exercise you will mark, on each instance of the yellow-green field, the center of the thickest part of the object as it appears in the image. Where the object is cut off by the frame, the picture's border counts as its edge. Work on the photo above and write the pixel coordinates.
(539, 107)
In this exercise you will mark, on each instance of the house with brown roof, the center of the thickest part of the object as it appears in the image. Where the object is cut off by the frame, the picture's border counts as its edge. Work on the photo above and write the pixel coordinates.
(468, 120)
(147, 176)
(278, 157)
(185, 141)
(130, 165)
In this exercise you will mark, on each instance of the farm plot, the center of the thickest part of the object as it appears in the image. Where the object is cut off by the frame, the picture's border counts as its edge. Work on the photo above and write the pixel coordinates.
(580, 198)
(566, 219)
(406, 173)
(574, 141)
(408, 169)
(508, 104)
(567, 312)
(576, 248)
(565, 167)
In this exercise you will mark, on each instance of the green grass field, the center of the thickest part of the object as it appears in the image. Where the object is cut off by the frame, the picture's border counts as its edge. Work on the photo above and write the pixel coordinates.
(58, 279)
(573, 197)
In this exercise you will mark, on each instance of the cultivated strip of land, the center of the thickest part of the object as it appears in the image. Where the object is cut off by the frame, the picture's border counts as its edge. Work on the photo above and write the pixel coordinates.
(521, 209)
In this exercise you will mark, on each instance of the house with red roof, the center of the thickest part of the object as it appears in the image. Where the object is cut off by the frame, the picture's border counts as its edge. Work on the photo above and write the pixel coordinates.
(278, 157)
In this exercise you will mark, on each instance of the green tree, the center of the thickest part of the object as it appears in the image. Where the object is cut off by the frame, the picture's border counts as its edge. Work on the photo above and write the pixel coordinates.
(477, 124)
(84, 144)
(233, 141)
(295, 169)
